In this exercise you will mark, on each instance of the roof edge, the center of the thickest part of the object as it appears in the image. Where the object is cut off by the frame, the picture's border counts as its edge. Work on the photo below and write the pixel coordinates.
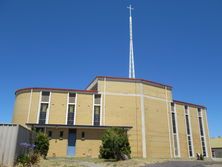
(54, 89)
(189, 104)
(133, 79)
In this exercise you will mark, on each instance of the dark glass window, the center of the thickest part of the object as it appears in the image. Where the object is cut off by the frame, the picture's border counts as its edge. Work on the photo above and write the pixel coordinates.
(43, 111)
(61, 134)
(49, 133)
(174, 123)
(97, 99)
(201, 126)
(172, 106)
(45, 96)
(97, 115)
(83, 135)
(72, 97)
(71, 113)
(188, 124)
(190, 146)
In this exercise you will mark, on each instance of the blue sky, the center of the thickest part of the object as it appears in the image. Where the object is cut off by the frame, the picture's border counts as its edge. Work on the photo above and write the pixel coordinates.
(66, 44)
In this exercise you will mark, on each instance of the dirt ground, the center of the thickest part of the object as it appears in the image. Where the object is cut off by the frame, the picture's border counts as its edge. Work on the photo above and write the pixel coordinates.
(93, 162)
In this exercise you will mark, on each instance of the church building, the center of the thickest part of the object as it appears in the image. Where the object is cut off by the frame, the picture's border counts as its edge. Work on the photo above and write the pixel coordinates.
(74, 120)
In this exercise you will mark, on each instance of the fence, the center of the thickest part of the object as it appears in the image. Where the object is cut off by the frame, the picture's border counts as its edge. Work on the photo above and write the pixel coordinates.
(11, 135)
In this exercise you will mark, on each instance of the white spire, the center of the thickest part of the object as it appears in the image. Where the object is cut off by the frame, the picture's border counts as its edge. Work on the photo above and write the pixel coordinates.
(131, 54)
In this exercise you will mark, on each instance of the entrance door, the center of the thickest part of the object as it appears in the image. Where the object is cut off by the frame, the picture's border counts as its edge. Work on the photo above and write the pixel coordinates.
(71, 149)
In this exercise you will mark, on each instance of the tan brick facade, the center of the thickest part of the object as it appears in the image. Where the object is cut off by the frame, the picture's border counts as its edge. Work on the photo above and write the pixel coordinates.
(143, 105)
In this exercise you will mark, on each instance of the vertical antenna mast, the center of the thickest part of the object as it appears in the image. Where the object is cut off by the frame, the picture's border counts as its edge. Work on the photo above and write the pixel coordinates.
(131, 54)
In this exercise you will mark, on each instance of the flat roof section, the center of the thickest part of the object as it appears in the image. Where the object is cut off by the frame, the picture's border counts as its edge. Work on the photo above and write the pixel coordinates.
(75, 126)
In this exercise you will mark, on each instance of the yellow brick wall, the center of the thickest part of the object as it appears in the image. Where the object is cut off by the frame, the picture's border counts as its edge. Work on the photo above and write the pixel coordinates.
(34, 107)
(120, 87)
(157, 92)
(84, 109)
(57, 110)
(21, 108)
(157, 130)
(125, 111)
(207, 133)
(89, 146)
(182, 131)
(57, 145)
(195, 130)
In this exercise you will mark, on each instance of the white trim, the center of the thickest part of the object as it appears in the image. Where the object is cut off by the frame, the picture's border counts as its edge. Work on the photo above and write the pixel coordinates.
(173, 134)
(168, 121)
(92, 84)
(48, 110)
(75, 112)
(208, 133)
(104, 101)
(93, 109)
(201, 115)
(191, 132)
(67, 107)
(30, 103)
(42, 102)
(100, 105)
(101, 110)
(137, 95)
(40, 98)
(143, 122)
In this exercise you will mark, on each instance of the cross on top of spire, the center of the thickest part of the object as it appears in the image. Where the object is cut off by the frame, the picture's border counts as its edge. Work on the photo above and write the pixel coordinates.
(130, 9)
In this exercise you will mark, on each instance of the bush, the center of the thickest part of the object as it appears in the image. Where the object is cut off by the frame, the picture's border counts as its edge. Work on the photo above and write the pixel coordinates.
(201, 157)
(41, 144)
(27, 160)
(23, 160)
(115, 144)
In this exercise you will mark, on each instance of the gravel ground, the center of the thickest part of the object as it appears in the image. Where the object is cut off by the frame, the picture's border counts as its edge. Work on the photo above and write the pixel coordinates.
(186, 164)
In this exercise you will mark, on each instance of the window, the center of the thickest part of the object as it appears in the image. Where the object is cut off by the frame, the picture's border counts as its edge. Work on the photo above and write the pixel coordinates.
(174, 129)
(97, 99)
(172, 106)
(202, 133)
(97, 107)
(174, 123)
(71, 108)
(188, 125)
(83, 135)
(72, 98)
(49, 134)
(44, 105)
(45, 96)
(61, 134)
(189, 134)
(190, 146)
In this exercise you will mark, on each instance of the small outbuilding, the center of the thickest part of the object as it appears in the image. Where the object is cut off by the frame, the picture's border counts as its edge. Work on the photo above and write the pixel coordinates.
(216, 147)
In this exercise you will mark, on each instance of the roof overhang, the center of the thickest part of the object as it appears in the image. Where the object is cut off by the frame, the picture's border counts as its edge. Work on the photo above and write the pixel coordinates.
(59, 126)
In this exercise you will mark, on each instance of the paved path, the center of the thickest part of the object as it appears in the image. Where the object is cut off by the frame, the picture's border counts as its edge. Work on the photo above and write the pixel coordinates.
(186, 164)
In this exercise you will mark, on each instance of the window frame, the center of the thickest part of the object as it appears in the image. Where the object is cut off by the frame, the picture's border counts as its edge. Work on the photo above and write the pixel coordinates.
(67, 108)
(44, 102)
